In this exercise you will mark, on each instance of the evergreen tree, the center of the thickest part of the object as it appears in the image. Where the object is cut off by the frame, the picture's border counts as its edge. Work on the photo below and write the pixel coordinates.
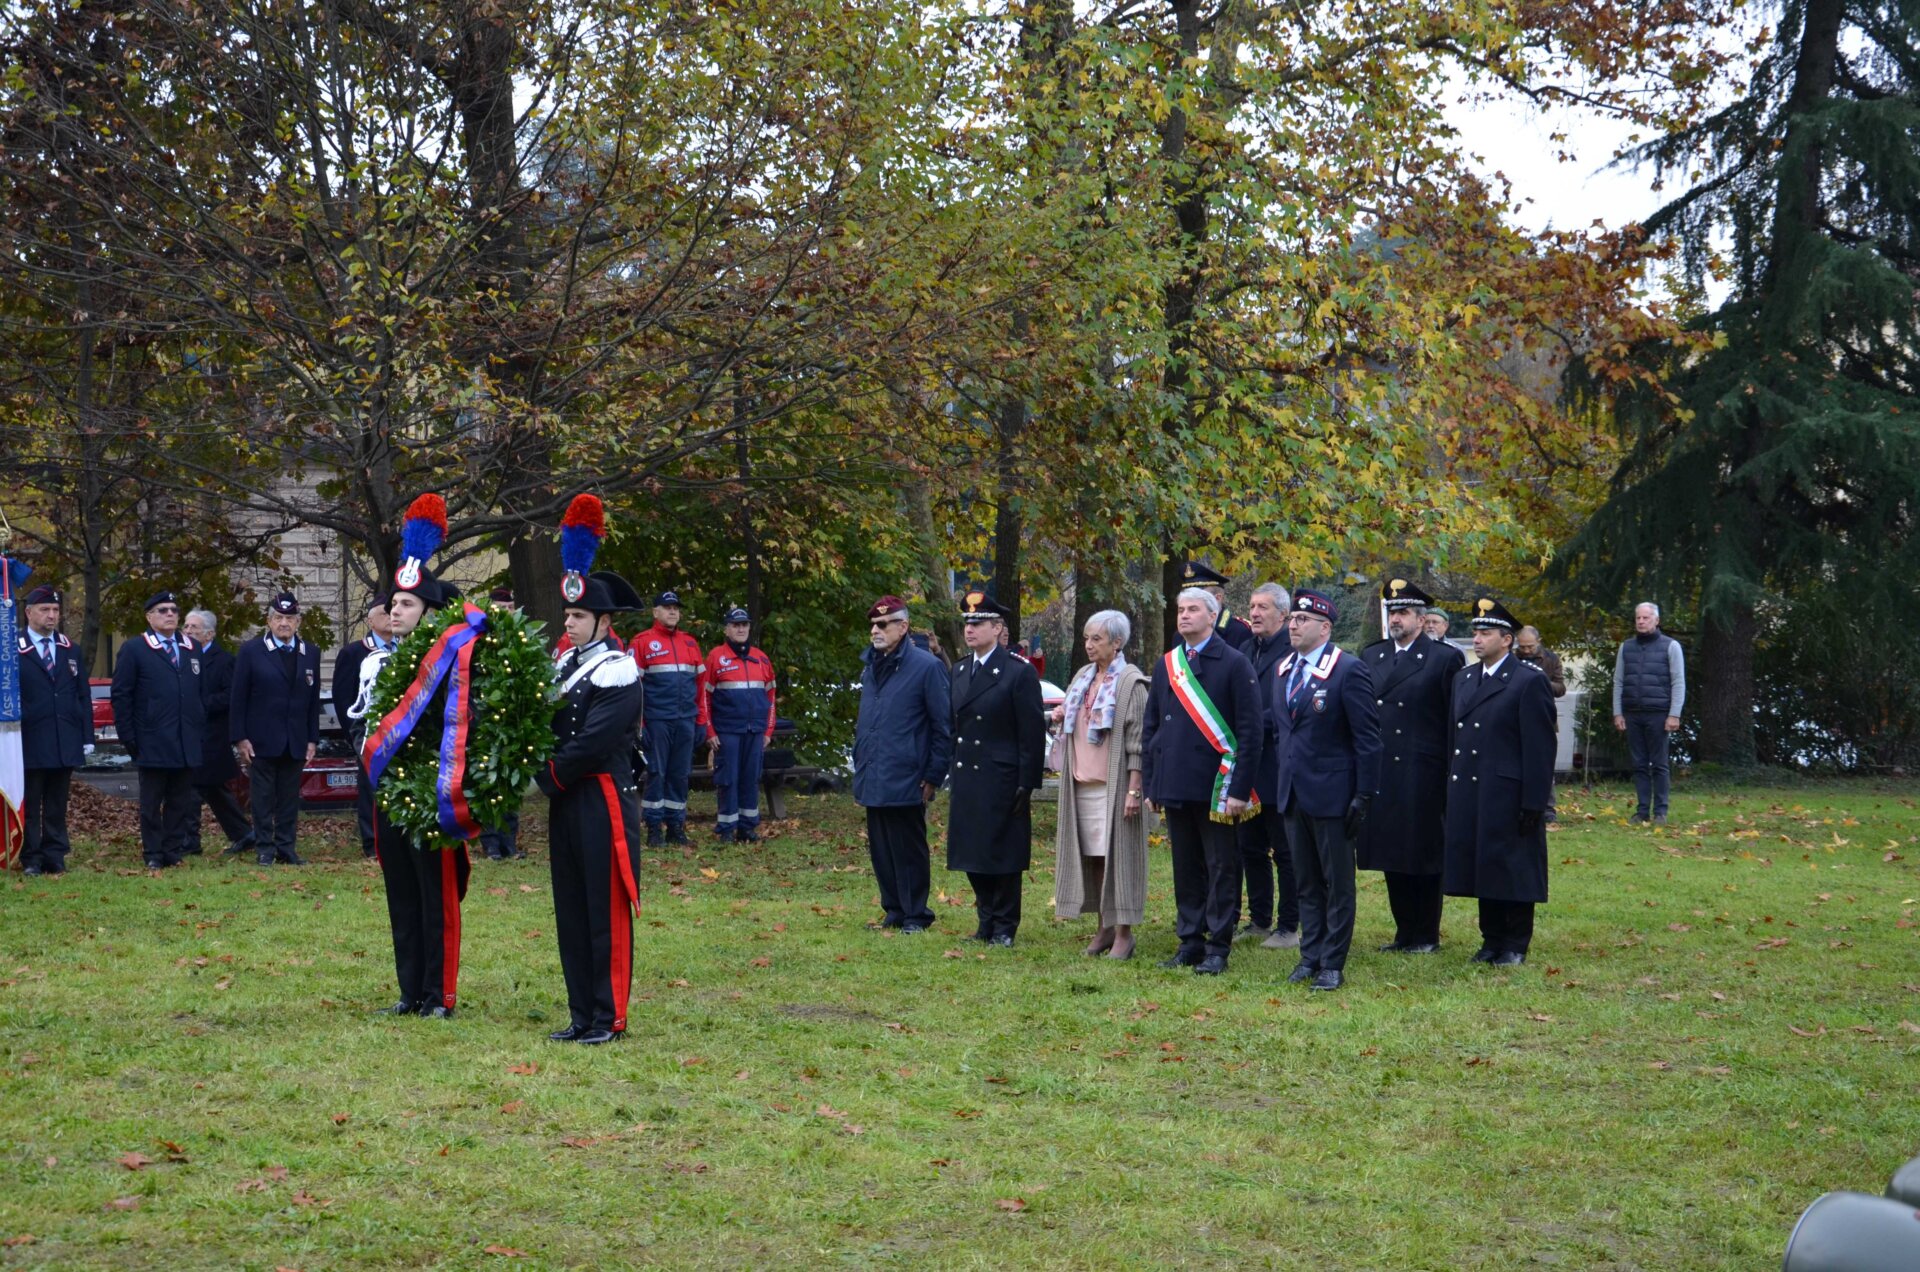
(1785, 447)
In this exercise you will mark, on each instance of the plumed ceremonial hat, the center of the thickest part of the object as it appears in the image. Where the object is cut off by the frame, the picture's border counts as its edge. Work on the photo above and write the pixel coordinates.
(422, 532)
(1196, 573)
(1400, 594)
(1488, 612)
(978, 607)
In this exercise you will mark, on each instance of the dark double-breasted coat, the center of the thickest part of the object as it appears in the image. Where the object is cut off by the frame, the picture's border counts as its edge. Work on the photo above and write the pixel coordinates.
(56, 707)
(157, 708)
(1326, 735)
(1177, 763)
(999, 751)
(217, 765)
(276, 699)
(1501, 764)
(1406, 830)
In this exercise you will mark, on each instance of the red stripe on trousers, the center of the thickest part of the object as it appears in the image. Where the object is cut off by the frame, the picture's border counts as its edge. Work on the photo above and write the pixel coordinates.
(449, 924)
(621, 893)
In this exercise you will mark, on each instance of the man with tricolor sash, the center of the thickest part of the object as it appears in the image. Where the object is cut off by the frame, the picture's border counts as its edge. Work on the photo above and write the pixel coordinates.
(1326, 734)
(593, 804)
(1200, 749)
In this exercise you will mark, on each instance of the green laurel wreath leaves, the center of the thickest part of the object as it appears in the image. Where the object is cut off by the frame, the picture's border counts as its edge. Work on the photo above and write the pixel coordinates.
(509, 736)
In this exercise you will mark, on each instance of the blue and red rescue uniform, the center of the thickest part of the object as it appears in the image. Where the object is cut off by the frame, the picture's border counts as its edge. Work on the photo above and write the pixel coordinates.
(671, 670)
(737, 694)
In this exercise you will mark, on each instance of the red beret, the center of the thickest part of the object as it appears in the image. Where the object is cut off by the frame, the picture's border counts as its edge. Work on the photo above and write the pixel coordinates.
(886, 607)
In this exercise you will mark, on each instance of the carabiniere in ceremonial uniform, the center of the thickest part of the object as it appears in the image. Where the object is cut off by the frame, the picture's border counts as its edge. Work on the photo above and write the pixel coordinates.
(593, 801)
(1405, 838)
(161, 718)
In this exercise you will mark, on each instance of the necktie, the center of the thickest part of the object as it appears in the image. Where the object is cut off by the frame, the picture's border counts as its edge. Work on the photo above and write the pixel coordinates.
(46, 652)
(1299, 678)
(173, 652)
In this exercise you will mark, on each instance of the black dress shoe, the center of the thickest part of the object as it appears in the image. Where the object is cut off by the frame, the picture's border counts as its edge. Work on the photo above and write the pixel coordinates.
(237, 847)
(656, 837)
(1003, 941)
(1482, 955)
(978, 934)
(1509, 958)
(1393, 947)
(677, 835)
(1425, 947)
(1181, 958)
(912, 929)
(1211, 965)
(436, 1012)
(398, 1009)
(263, 859)
(294, 859)
(597, 1037)
(192, 850)
(154, 863)
(1327, 978)
(33, 872)
(1300, 972)
(570, 1034)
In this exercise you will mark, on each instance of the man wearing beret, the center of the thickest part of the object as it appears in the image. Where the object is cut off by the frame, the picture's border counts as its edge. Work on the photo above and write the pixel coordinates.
(160, 716)
(1200, 747)
(999, 750)
(274, 715)
(1497, 790)
(902, 742)
(56, 730)
(1405, 838)
(1327, 732)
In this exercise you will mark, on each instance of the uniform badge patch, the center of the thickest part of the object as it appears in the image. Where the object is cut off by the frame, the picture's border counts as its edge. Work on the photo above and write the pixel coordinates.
(196, 665)
(408, 575)
(573, 587)
(1320, 700)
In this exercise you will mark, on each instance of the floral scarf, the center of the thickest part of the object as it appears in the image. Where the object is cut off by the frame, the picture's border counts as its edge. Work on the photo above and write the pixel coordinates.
(1101, 722)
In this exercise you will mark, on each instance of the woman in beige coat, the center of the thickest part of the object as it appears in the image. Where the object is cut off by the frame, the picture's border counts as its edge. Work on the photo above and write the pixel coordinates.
(1101, 844)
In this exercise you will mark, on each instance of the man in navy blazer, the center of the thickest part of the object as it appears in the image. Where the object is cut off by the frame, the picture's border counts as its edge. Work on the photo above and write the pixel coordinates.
(160, 715)
(1327, 739)
(274, 720)
(1180, 770)
(56, 730)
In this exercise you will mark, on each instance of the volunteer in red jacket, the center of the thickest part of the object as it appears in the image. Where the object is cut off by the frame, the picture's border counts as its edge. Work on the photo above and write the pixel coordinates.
(738, 688)
(670, 671)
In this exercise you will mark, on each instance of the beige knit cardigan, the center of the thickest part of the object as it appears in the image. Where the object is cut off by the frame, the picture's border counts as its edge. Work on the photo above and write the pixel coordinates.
(1123, 891)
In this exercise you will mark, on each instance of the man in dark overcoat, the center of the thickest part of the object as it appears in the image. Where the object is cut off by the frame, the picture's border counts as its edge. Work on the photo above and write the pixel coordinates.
(902, 742)
(1405, 837)
(275, 724)
(1266, 864)
(1200, 749)
(56, 730)
(161, 718)
(1327, 733)
(1497, 790)
(999, 750)
(217, 766)
(346, 691)
(595, 830)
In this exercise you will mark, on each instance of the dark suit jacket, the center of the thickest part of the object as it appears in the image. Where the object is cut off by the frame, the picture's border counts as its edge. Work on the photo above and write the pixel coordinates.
(999, 751)
(346, 679)
(1502, 762)
(157, 707)
(56, 707)
(217, 764)
(276, 699)
(1406, 831)
(1265, 656)
(1327, 735)
(1177, 763)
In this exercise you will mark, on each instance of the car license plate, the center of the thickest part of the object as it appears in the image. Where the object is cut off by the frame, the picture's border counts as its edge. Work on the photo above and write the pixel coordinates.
(343, 779)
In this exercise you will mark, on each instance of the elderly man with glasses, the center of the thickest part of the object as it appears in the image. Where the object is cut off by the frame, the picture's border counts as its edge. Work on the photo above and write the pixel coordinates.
(161, 718)
(901, 744)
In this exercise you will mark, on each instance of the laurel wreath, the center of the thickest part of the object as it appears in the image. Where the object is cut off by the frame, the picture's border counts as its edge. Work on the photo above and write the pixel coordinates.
(509, 736)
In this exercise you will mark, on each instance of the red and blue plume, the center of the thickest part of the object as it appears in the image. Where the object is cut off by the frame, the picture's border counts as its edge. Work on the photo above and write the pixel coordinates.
(424, 529)
(581, 531)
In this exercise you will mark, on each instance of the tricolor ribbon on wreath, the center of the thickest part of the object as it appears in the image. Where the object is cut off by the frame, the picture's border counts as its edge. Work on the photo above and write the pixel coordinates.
(450, 659)
(1214, 728)
(13, 769)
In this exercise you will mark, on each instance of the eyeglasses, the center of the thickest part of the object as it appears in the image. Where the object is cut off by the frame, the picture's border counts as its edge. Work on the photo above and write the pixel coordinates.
(166, 609)
(880, 623)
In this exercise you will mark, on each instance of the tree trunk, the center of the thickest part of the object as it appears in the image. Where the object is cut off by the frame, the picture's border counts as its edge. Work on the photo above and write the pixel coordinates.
(935, 574)
(533, 561)
(1721, 672)
(1006, 517)
(743, 515)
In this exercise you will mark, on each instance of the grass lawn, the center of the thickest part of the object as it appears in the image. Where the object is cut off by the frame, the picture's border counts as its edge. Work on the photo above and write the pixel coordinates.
(1717, 1024)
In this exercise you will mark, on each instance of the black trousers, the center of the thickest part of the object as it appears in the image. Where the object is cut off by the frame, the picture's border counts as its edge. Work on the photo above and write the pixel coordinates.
(1649, 743)
(363, 808)
(275, 796)
(996, 899)
(1506, 926)
(897, 844)
(505, 841)
(1206, 878)
(424, 890)
(1323, 868)
(232, 819)
(167, 808)
(1272, 899)
(45, 808)
(1415, 900)
(595, 835)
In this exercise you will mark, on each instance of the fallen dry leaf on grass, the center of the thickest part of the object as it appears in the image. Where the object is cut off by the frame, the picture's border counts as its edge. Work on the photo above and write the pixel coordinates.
(513, 1106)
(123, 1203)
(524, 1070)
(507, 1252)
(340, 1119)
(1816, 1032)
(24, 1238)
(1014, 1204)
(134, 1161)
